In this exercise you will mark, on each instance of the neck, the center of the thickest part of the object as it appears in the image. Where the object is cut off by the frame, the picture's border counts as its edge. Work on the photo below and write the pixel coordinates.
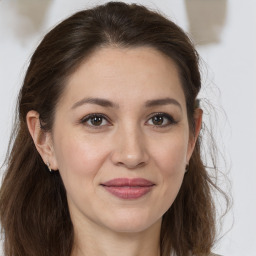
(91, 240)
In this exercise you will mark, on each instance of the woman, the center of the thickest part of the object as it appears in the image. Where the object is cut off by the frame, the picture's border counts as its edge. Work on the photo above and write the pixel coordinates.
(106, 155)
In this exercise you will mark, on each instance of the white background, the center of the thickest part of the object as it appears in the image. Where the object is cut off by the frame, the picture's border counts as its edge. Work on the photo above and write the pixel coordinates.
(231, 67)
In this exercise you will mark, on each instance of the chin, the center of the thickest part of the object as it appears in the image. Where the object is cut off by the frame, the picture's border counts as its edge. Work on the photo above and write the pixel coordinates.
(132, 223)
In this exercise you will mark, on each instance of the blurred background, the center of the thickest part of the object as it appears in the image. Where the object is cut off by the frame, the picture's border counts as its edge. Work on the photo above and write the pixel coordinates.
(224, 32)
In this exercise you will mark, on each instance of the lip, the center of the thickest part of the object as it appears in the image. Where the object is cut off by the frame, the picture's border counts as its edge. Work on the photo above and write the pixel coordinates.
(126, 188)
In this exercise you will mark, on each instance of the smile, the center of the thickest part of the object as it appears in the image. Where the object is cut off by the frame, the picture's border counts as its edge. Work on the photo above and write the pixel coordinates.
(125, 188)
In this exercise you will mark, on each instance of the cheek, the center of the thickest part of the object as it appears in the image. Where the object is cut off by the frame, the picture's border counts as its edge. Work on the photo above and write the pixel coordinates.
(80, 163)
(168, 157)
(171, 161)
(171, 155)
(77, 156)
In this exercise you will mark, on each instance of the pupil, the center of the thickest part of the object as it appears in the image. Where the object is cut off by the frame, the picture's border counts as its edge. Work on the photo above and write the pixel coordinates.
(158, 120)
(97, 120)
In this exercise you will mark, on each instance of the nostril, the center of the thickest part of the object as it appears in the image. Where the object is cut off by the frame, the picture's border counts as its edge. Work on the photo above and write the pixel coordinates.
(131, 165)
(141, 164)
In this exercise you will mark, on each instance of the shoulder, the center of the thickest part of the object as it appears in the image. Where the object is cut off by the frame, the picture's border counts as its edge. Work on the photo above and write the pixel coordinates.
(211, 254)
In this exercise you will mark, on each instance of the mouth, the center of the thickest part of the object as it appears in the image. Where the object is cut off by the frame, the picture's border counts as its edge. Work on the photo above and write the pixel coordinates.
(125, 188)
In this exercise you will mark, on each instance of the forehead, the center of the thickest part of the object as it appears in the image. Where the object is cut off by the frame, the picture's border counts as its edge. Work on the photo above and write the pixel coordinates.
(125, 74)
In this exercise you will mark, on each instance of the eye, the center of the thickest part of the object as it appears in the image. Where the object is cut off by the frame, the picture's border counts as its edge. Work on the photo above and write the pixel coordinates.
(161, 120)
(95, 120)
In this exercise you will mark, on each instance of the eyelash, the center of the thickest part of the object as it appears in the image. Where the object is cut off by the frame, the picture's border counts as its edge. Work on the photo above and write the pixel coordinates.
(169, 118)
(87, 118)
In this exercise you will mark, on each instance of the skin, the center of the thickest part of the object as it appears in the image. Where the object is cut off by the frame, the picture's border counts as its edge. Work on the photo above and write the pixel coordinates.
(128, 143)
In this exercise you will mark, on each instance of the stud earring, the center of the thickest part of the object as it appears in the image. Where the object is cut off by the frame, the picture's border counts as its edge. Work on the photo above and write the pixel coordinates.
(49, 167)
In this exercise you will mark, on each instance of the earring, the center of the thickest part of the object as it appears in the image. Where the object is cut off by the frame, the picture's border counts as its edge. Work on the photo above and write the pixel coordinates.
(186, 168)
(49, 167)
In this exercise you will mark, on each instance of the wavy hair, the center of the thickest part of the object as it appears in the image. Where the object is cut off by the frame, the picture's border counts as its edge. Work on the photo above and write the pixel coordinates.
(34, 211)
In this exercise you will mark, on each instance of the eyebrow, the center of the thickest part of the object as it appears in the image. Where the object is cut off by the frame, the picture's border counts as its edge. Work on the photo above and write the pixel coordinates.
(107, 103)
(164, 101)
(96, 101)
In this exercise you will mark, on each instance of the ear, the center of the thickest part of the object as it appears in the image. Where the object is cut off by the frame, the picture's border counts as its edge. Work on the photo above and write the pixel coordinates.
(194, 135)
(42, 139)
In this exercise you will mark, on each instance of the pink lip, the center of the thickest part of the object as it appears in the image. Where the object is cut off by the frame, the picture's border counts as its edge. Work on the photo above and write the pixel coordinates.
(125, 188)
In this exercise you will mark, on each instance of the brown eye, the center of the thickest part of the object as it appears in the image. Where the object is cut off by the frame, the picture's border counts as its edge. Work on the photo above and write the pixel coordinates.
(95, 120)
(161, 120)
(157, 120)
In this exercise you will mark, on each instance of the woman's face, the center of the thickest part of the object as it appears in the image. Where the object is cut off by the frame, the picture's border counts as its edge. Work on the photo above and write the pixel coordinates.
(121, 138)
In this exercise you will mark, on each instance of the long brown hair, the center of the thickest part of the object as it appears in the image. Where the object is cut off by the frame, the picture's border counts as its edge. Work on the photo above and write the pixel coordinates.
(33, 207)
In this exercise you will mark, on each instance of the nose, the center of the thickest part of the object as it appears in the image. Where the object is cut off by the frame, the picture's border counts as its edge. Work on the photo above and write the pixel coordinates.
(129, 149)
